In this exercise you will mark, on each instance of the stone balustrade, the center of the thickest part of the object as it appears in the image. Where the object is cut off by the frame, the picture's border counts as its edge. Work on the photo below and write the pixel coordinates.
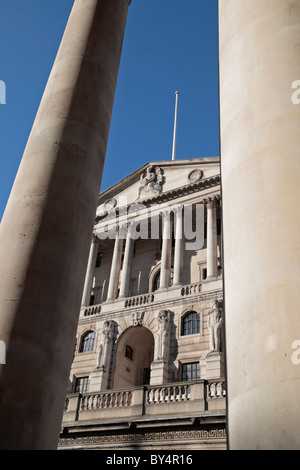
(150, 298)
(113, 399)
(139, 300)
(168, 394)
(163, 400)
(191, 289)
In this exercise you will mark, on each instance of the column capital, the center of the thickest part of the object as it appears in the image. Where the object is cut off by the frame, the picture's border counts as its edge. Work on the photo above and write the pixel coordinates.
(211, 202)
(178, 210)
(166, 214)
(95, 239)
(131, 226)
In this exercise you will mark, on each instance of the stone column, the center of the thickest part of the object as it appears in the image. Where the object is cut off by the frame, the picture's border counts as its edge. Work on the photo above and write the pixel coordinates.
(127, 263)
(90, 272)
(212, 242)
(46, 229)
(179, 245)
(165, 269)
(260, 167)
(115, 267)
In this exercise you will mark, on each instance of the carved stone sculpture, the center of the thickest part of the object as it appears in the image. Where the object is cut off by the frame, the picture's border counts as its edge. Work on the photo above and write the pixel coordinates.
(151, 182)
(106, 345)
(163, 336)
(215, 323)
(137, 318)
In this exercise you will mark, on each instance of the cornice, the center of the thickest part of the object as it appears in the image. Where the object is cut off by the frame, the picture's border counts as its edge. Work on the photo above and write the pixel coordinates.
(171, 194)
(135, 175)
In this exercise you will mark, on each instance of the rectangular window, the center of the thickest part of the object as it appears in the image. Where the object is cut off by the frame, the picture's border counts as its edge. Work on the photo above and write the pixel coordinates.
(81, 385)
(190, 372)
(146, 376)
(128, 352)
(98, 260)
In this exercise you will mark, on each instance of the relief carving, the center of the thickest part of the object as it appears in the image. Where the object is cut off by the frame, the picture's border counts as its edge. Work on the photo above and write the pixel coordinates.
(151, 182)
(195, 176)
(137, 318)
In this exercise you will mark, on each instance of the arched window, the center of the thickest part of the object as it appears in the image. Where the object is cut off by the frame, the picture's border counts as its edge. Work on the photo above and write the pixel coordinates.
(191, 324)
(87, 342)
(156, 281)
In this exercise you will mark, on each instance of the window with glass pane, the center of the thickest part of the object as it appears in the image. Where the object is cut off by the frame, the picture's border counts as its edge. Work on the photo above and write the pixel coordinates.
(190, 371)
(88, 341)
(81, 385)
(156, 282)
(191, 324)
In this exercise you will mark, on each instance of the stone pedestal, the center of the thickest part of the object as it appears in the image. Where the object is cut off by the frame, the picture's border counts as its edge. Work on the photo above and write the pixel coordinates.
(215, 365)
(159, 372)
(98, 380)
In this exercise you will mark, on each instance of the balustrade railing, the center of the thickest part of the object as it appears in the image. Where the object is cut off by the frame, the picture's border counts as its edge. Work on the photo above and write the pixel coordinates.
(191, 289)
(114, 399)
(216, 389)
(139, 300)
(146, 299)
(166, 399)
(168, 394)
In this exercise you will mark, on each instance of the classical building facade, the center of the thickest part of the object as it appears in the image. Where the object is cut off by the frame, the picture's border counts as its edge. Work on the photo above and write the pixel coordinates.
(148, 368)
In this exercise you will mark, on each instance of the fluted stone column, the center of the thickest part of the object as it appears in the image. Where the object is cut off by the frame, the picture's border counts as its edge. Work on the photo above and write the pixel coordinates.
(179, 246)
(46, 229)
(115, 267)
(86, 297)
(212, 242)
(165, 269)
(127, 263)
(260, 167)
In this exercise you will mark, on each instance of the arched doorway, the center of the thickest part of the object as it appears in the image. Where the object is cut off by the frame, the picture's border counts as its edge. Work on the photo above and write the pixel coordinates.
(135, 352)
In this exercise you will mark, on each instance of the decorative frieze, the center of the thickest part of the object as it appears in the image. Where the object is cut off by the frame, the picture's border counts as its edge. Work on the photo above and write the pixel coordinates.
(183, 435)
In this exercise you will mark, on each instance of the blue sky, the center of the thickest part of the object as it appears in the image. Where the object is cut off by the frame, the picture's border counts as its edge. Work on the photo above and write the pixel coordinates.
(169, 45)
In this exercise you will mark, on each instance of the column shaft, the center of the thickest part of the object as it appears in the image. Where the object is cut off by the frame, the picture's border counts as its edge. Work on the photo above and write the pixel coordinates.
(260, 167)
(90, 272)
(127, 264)
(179, 245)
(165, 269)
(47, 225)
(212, 267)
(115, 268)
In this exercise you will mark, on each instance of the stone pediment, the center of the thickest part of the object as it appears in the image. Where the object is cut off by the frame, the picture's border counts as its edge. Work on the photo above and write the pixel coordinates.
(160, 181)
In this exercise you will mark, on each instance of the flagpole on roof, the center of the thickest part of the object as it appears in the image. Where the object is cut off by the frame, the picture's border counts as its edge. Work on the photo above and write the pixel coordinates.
(175, 126)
